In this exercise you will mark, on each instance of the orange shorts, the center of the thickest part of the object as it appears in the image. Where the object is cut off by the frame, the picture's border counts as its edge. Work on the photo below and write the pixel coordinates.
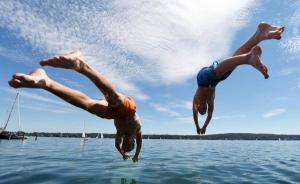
(128, 108)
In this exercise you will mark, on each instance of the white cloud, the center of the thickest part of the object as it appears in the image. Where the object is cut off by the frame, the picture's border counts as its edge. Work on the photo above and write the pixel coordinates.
(172, 108)
(41, 103)
(229, 116)
(288, 71)
(292, 42)
(185, 104)
(281, 98)
(36, 97)
(71, 82)
(14, 55)
(273, 113)
(167, 110)
(161, 42)
(48, 108)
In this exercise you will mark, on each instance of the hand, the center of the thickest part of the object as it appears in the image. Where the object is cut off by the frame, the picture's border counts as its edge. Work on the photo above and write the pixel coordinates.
(203, 130)
(135, 158)
(198, 130)
(126, 156)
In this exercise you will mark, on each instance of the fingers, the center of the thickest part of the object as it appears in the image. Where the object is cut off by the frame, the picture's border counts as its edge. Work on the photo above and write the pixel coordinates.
(126, 157)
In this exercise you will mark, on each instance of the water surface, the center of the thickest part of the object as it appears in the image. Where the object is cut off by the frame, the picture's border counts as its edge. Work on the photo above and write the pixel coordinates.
(70, 160)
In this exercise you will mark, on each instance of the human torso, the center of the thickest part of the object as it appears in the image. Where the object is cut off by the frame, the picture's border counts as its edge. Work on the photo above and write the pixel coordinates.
(128, 125)
(205, 94)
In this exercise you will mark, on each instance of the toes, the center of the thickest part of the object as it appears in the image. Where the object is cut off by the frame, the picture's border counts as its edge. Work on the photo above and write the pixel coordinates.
(265, 72)
(277, 37)
(19, 76)
(44, 62)
(15, 83)
(50, 62)
(281, 29)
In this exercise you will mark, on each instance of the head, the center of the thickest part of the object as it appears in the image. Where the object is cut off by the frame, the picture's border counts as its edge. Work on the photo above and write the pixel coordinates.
(128, 143)
(202, 106)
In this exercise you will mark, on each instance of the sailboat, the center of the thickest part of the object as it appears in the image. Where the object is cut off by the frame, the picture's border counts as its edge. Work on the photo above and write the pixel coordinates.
(84, 135)
(101, 136)
(4, 134)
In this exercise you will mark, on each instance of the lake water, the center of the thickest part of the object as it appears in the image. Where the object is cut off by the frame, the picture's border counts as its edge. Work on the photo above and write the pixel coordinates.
(70, 160)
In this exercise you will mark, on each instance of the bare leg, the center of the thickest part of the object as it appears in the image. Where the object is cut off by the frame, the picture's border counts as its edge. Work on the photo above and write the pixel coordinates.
(264, 32)
(39, 79)
(76, 62)
(250, 58)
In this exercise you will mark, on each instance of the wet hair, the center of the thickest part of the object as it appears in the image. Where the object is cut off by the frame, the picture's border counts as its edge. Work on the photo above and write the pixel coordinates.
(128, 144)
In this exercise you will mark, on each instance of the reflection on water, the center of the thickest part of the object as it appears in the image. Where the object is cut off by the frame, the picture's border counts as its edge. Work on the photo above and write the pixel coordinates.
(128, 181)
(82, 144)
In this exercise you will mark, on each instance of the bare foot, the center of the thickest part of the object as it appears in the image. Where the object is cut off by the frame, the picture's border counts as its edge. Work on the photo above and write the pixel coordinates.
(255, 61)
(266, 31)
(72, 61)
(36, 79)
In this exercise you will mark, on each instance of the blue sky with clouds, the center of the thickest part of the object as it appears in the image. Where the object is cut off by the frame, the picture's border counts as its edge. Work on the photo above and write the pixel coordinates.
(152, 50)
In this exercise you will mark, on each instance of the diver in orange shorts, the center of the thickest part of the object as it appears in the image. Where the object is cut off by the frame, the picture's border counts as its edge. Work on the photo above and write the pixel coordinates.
(115, 106)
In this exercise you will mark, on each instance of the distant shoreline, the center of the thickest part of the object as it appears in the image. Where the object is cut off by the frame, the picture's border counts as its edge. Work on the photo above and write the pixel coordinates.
(227, 136)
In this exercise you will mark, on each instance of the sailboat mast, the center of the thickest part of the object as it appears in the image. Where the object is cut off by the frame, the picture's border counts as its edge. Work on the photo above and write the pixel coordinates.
(19, 117)
(11, 111)
(83, 132)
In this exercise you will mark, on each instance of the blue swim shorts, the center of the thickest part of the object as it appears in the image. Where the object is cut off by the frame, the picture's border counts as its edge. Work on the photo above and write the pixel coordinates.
(206, 76)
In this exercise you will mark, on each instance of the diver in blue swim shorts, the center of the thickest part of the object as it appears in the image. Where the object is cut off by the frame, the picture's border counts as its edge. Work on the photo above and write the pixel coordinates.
(208, 77)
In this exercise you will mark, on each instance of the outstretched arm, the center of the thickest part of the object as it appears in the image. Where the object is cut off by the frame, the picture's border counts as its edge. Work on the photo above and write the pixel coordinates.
(195, 115)
(208, 117)
(118, 141)
(138, 146)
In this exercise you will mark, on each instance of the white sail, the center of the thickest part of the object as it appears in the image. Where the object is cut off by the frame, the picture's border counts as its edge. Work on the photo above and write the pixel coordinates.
(102, 135)
(83, 135)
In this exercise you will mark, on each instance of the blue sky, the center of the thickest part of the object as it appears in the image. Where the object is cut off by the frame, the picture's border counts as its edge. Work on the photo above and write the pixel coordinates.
(152, 50)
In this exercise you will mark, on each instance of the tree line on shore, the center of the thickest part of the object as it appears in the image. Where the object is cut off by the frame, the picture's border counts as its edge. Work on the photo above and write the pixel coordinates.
(228, 136)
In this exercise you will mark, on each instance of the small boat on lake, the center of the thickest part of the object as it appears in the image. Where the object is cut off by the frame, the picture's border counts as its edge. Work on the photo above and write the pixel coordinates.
(4, 134)
(84, 134)
(100, 136)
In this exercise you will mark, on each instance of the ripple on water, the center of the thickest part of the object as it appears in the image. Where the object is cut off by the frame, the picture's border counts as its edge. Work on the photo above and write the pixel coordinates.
(69, 160)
